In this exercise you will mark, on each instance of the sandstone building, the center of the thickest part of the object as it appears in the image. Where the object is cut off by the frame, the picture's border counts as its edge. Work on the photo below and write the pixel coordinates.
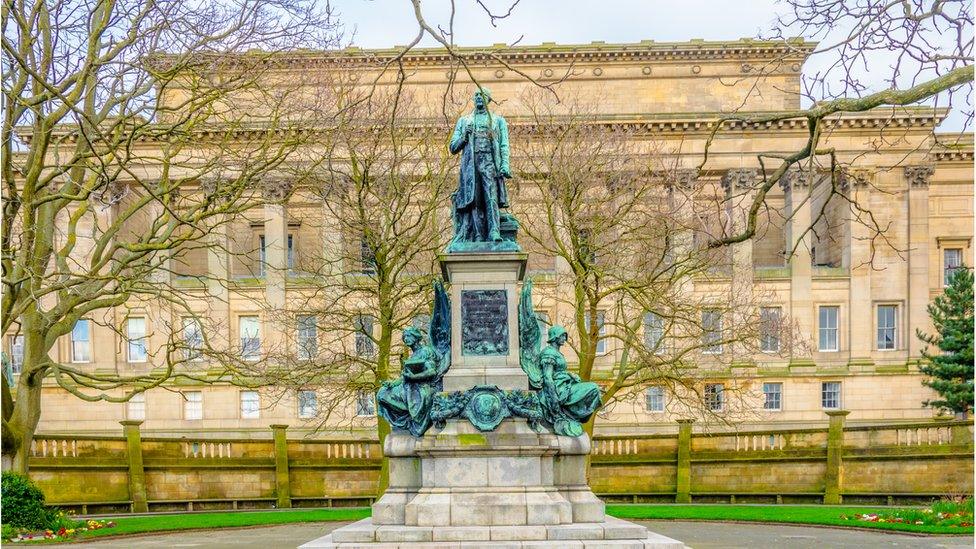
(855, 300)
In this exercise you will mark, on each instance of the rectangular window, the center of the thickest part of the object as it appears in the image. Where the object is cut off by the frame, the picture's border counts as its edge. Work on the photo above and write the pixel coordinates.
(829, 316)
(308, 337)
(192, 338)
(192, 405)
(715, 396)
(365, 405)
(773, 396)
(367, 259)
(250, 330)
(81, 341)
(601, 343)
(712, 332)
(952, 260)
(17, 353)
(655, 398)
(308, 404)
(654, 333)
(262, 255)
(887, 327)
(770, 321)
(136, 335)
(364, 336)
(250, 405)
(136, 407)
(291, 254)
(830, 395)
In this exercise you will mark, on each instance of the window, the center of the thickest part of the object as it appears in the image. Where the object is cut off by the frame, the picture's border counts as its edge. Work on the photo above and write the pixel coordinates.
(364, 336)
(887, 330)
(655, 398)
(601, 342)
(250, 405)
(367, 258)
(769, 329)
(136, 407)
(365, 405)
(250, 328)
(136, 335)
(715, 396)
(952, 260)
(262, 255)
(773, 396)
(192, 405)
(712, 332)
(542, 317)
(830, 395)
(81, 341)
(291, 254)
(828, 328)
(192, 338)
(308, 338)
(308, 404)
(17, 353)
(654, 332)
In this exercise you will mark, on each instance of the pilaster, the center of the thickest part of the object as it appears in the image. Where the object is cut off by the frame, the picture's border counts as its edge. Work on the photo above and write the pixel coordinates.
(282, 475)
(834, 477)
(917, 178)
(683, 479)
(859, 254)
(137, 474)
(797, 186)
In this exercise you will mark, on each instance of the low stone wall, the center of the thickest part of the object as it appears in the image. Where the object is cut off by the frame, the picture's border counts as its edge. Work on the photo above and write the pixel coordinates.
(864, 464)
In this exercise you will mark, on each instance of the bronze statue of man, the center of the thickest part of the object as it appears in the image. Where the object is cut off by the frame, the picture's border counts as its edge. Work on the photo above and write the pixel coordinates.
(482, 139)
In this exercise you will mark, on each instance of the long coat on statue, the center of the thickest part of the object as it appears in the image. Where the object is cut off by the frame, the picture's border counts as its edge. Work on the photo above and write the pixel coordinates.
(490, 171)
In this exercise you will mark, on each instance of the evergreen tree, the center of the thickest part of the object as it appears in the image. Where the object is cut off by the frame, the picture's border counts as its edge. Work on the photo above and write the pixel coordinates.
(951, 370)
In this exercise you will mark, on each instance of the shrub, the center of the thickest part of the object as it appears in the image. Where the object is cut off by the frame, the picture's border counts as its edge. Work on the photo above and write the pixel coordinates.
(23, 503)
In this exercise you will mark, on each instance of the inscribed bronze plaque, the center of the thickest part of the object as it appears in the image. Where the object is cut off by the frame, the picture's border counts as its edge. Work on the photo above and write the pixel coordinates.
(484, 322)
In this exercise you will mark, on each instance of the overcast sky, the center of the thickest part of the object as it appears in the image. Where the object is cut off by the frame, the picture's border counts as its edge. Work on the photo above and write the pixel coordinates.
(387, 23)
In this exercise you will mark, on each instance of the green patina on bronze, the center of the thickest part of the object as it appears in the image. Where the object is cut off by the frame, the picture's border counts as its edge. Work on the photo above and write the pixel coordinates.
(486, 406)
(482, 139)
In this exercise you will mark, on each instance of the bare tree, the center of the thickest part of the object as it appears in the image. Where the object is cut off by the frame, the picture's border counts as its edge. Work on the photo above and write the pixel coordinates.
(122, 150)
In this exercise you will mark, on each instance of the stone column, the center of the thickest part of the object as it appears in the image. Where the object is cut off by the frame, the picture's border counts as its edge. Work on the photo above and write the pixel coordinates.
(282, 478)
(797, 187)
(218, 277)
(740, 191)
(275, 241)
(918, 259)
(858, 255)
(683, 482)
(834, 478)
(137, 474)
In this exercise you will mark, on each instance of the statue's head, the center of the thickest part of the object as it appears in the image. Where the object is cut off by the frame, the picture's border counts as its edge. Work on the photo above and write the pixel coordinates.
(482, 96)
(557, 335)
(412, 336)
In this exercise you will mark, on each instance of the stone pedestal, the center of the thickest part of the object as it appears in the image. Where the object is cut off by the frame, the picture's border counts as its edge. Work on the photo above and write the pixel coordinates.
(514, 486)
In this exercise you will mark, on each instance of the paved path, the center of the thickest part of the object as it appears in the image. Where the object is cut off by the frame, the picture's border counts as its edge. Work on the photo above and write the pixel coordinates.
(698, 535)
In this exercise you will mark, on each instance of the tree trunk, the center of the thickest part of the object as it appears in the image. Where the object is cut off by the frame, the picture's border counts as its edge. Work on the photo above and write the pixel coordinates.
(22, 424)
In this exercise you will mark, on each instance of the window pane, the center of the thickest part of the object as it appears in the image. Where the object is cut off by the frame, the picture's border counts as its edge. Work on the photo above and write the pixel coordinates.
(830, 394)
(828, 328)
(655, 399)
(715, 396)
(601, 343)
(769, 329)
(136, 335)
(80, 338)
(262, 255)
(887, 315)
(952, 260)
(17, 353)
(250, 405)
(364, 336)
(193, 405)
(542, 317)
(772, 396)
(291, 253)
(711, 331)
(654, 333)
(366, 257)
(136, 407)
(250, 329)
(308, 345)
(192, 338)
(365, 406)
(308, 404)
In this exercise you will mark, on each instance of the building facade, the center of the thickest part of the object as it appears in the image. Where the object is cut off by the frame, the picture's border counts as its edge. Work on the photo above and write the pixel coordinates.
(855, 296)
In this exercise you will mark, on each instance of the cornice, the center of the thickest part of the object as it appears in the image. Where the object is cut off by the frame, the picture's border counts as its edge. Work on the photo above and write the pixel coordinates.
(918, 118)
(646, 50)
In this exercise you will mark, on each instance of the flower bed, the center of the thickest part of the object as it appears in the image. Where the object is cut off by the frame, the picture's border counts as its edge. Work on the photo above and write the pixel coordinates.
(67, 528)
(946, 513)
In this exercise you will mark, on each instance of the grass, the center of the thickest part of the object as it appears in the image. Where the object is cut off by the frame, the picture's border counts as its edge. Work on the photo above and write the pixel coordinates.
(797, 514)
(787, 514)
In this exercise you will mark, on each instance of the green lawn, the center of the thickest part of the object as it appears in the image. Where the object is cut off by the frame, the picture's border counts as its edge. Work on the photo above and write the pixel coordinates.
(795, 514)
